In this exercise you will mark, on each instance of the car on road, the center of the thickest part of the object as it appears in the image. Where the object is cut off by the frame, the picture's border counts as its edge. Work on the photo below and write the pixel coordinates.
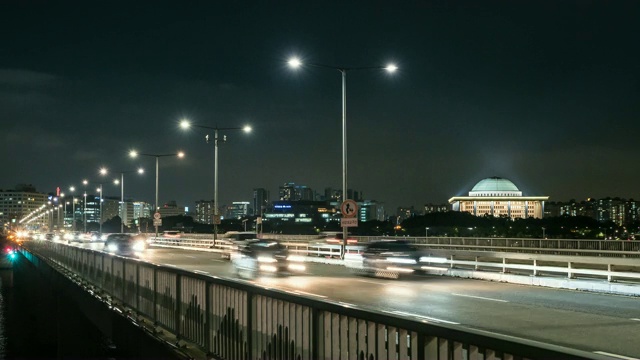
(125, 244)
(390, 258)
(265, 257)
(76, 236)
(51, 237)
(232, 240)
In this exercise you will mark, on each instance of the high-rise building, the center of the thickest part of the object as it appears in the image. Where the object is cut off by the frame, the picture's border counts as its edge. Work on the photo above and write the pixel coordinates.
(293, 192)
(15, 204)
(238, 209)
(369, 210)
(435, 208)
(110, 208)
(260, 201)
(171, 209)
(204, 211)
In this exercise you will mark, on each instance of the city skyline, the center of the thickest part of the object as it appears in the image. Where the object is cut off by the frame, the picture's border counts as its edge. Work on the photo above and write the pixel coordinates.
(539, 93)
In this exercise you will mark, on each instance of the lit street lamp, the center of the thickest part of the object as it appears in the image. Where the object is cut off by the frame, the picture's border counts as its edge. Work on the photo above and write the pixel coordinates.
(185, 124)
(73, 208)
(426, 230)
(296, 63)
(135, 154)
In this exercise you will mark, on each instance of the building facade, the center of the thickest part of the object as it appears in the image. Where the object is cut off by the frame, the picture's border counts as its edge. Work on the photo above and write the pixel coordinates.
(499, 197)
(15, 204)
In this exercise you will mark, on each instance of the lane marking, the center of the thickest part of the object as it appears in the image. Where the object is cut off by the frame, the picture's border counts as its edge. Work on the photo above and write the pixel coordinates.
(201, 272)
(634, 319)
(169, 265)
(480, 297)
(190, 256)
(310, 294)
(615, 355)
(424, 317)
(371, 282)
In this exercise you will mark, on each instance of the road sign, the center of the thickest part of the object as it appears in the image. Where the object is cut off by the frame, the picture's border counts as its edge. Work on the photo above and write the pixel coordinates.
(349, 222)
(157, 222)
(216, 219)
(349, 208)
(157, 216)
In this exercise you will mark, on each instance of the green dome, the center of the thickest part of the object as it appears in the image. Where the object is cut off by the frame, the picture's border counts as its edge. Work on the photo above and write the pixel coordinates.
(494, 184)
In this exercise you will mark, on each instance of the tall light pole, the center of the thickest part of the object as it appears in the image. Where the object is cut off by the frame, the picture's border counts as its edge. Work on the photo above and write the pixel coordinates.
(296, 63)
(122, 204)
(73, 208)
(84, 211)
(64, 212)
(185, 124)
(135, 154)
(426, 232)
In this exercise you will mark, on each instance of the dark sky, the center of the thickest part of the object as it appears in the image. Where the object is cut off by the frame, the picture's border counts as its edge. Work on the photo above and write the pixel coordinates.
(545, 93)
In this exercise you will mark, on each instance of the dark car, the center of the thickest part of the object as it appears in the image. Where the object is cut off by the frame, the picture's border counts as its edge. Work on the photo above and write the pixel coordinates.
(265, 256)
(125, 244)
(390, 258)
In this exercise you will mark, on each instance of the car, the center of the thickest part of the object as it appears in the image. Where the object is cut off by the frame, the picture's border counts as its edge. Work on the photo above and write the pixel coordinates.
(96, 236)
(390, 258)
(231, 241)
(171, 234)
(125, 244)
(51, 237)
(75, 236)
(265, 257)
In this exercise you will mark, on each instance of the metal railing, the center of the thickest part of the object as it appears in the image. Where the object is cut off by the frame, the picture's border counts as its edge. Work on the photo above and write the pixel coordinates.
(234, 320)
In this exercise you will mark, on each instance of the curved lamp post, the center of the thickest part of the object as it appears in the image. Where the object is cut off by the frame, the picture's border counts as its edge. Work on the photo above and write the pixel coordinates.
(296, 63)
(134, 154)
(185, 124)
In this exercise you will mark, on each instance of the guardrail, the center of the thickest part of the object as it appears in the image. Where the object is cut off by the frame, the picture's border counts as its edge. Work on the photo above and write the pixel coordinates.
(234, 320)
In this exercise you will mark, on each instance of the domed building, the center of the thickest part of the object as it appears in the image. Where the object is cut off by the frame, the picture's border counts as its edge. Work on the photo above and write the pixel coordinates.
(499, 197)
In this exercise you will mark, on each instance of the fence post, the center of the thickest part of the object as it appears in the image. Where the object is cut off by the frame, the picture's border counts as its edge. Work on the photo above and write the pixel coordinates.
(535, 267)
(250, 320)
(569, 273)
(178, 305)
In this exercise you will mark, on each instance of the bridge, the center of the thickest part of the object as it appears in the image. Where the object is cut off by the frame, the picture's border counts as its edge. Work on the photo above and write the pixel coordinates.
(182, 294)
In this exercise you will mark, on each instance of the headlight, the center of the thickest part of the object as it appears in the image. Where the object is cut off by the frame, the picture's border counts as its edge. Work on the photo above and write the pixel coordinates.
(297, 258)
(56, 238)
(68, 236)
(112, 247)
(430, 259)
(266, 259)
(103, 237)
(400, 260)
(139, 245)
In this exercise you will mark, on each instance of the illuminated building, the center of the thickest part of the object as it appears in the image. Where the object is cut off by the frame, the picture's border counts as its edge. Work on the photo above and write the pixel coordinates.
(499, 197)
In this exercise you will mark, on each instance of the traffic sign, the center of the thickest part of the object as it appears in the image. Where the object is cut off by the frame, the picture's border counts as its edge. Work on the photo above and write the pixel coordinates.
(157, 222)
(349, 208)
(217, 220)
(349, 222)
(157, 216)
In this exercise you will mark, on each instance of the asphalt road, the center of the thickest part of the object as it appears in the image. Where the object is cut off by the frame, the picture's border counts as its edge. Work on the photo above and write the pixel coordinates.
(607, 324)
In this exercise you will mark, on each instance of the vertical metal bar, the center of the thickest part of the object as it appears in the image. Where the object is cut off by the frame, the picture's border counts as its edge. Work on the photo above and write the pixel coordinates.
(178, 309)
(381, 351)
(155, 296)
(207, 317)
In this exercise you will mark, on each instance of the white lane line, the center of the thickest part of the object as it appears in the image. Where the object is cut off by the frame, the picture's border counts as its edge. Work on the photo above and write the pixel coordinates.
(371, 282)
(424, 317)
(201, 272)
(480, 297)
(615, 355)
(169, 265)
(190, 256)
(310, 294)
(634, 319)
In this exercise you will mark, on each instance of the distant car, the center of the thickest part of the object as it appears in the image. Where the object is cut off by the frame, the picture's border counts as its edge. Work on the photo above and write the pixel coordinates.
(125, 244)
(390, 258)
(96, 236)
(76, 236)
(171, 234)
(51, 237)
(265, 256)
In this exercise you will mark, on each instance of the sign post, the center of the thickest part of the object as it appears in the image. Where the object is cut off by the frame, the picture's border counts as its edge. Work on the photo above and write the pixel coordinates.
(157, 221)
(349, 210)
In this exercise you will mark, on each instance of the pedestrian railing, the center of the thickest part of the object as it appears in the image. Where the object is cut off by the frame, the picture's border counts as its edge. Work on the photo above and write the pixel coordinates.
(235, 320)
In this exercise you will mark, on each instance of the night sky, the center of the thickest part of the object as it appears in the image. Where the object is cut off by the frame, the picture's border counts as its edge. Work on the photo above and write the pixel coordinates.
(545, 93)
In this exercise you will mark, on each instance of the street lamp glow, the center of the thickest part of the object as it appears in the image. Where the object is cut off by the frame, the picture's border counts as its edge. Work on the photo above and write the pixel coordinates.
(391, 68)
(140, 171)
(85, 182)
(247, 129)
(294, 62)
(103, 171)
(180, 154)
(116, 182)
(185, 124)
(72, 189)
(133, 153)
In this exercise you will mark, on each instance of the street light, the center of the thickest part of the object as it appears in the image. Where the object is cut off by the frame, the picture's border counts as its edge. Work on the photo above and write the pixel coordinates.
(122, 204)
(134, 154)
(426, 230)
(73, 208)
(185, 124)
(296, 63)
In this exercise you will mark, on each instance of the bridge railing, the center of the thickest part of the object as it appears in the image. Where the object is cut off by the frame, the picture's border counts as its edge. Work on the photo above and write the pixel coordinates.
(234, 320)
